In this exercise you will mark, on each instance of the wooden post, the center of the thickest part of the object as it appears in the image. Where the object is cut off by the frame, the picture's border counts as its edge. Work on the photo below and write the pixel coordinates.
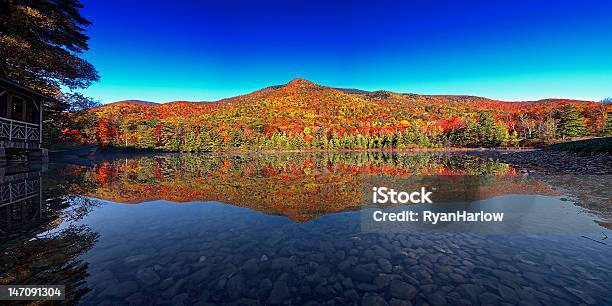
(24, 104)
(2, 159)
(40, 123)
(40, 197)
(9, 103)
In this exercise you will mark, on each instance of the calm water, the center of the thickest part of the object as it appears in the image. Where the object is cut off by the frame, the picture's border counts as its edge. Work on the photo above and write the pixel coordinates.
(293, 229)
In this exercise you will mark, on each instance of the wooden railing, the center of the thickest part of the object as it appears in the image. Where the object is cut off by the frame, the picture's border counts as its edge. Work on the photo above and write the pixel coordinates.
(19, 191)
(20, 201)
(14, 130)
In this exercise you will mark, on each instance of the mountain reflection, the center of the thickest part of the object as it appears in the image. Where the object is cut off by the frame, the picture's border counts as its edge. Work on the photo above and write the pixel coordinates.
(300, 186)
(55, 228)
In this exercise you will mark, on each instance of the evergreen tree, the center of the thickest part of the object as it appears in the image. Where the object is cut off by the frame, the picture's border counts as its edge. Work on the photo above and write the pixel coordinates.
(215, 140)
(237, 140)
(146, 139)
(500, 136)
(486, 129)
(190, 144)
(394, 141)
(333, 141)
(571, 123)
(204, 141)
(361, 142)
(298, 142)
(514, 139)
(469, 135)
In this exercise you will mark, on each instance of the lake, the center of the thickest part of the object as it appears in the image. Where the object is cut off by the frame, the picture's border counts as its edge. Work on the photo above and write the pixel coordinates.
(297, 228)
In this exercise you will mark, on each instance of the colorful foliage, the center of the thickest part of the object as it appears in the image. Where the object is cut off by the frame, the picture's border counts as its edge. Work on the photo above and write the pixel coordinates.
(304, 115)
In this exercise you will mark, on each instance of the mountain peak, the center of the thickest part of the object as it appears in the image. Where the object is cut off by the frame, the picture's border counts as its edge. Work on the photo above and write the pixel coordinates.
(299, 82)
(135, 102)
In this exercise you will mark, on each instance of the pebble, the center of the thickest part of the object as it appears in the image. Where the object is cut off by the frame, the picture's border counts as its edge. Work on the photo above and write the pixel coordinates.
(359, 273)
(279, 293)
(180, 299)
(396, 302)
(121, 290)
(136, 259)
(236, 286)
(489, 298)
(583, 296)
(373, 299)
(402, 290)
(385, 265)
(148, 276)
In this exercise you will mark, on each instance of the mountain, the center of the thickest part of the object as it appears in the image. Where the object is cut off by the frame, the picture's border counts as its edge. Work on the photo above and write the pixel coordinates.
(305, 87)
(302, 114)
(135, 102)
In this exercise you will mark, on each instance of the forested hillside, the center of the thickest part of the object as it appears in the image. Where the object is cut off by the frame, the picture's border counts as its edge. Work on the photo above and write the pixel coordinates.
(304, 115)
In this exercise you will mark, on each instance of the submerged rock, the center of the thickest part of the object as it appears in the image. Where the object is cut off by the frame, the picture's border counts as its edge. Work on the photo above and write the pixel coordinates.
(236, 286)
(583, 296)
(136, 259)
(121, 290)
(402, 290)
(373, 299)
(385, 265)
(280, 292)
(489, 298)
(148, 276)
(361, 274)
(180, 299)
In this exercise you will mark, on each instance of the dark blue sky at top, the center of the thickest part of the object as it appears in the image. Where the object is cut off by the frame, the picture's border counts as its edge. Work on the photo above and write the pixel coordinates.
(197, 50)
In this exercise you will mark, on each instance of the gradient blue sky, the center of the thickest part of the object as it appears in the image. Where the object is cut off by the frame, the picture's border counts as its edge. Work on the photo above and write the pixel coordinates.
(203, 51)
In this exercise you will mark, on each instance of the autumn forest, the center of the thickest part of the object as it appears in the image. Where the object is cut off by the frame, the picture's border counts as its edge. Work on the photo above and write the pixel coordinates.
(302, 115)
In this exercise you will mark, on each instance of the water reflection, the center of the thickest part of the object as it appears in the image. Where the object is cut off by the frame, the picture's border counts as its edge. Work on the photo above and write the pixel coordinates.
(40, 245)
(20, 200)
(286, 229)
(299, 186)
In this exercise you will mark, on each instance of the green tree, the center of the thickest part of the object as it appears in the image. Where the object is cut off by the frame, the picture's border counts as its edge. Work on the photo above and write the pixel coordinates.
(468, 136)
(297, 142)
(486, 129)
(191, 141)
(41, 43)
(571, 123)
(146, 139)
(500, 135)
(514, 139)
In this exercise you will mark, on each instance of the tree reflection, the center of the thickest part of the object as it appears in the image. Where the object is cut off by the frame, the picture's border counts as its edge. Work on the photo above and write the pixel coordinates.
(300, 186)
(40, 236)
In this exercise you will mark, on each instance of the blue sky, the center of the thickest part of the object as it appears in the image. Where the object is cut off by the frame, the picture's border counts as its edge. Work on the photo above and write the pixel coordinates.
(203, 51)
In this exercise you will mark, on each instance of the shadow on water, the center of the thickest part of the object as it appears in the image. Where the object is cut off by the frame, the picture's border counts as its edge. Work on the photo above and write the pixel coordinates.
(289, 229)
(40, 245)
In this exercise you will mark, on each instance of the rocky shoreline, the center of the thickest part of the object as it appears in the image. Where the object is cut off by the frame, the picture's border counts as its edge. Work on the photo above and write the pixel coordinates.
(547, 162)
(582, 177)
